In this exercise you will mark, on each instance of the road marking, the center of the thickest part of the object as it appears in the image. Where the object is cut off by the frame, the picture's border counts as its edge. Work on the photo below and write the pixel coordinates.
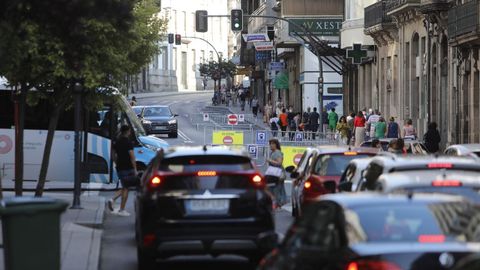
(184, 137)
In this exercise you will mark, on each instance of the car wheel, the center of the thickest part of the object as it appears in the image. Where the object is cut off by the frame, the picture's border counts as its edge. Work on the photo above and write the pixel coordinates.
(146, 261)
(173, 135)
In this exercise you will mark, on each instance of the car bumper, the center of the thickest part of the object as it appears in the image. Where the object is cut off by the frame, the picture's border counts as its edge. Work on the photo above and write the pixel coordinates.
(162, 129)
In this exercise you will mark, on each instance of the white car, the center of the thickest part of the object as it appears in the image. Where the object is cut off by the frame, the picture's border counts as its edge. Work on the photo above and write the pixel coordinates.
(472, 150)
(353, 174)
(457, 182)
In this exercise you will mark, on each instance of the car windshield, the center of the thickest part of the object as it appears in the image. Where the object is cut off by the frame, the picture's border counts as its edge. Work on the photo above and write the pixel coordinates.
(435, 222)
(156, 111)
(218, 163)
(137, 110)
(334, 165)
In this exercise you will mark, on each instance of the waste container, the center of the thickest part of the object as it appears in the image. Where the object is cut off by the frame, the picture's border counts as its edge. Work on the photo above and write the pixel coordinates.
(31, 232)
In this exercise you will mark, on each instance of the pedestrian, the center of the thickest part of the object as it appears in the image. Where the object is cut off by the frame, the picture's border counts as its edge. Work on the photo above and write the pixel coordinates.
(393, 130)
(242, 101)
(324, 120)
(276, 181)
(332, 120)
(255, 106)
(124, 158)
(314, 116)
(408, 130)
(306, 123)
(205, 81)
(283, 121)
(267, 113)
(350, 120)
(432, 138)
(372, 122)
(274, 124)
(292, 127)
(380, 128)
(133, 102)
(342, 130)
(359, 128)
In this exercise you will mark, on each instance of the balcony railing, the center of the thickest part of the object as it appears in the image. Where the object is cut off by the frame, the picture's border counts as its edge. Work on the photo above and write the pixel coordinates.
(464, 19)
(427, 6)
(394, 4)
(376, 14)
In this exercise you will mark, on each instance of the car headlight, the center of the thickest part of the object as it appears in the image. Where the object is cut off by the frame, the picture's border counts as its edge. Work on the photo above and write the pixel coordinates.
(147, 122)
(151, 147)
(173, 121)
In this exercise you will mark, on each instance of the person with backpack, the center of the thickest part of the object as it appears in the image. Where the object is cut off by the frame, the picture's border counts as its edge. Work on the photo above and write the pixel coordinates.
(274, 126)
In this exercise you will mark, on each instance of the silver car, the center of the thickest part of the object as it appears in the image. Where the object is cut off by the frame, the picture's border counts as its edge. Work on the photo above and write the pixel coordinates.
(472, 150)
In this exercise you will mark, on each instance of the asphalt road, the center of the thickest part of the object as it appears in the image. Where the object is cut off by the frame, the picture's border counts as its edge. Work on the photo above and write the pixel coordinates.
(118, 243)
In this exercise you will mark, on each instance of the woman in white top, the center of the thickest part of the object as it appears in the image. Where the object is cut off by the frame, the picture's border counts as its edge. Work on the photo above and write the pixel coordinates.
(274, 127)
(408, 130)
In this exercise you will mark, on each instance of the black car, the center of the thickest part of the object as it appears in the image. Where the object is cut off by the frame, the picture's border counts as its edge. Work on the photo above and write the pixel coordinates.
(203, 200)
(375, 231)
(158, 119)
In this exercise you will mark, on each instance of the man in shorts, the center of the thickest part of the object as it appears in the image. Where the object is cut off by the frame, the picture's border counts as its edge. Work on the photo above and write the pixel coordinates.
(126, 167)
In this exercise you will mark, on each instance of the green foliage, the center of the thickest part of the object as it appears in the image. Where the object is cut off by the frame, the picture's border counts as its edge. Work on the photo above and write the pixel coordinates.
(217, 70)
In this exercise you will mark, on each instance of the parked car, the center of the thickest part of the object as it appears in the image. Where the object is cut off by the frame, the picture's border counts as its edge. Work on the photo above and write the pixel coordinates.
(457, 182)
(298, 174)
(472, 150)
(202, 200)
(380, 231)
(323, 176)
(388, 164)
(412, 146)
(160, 119)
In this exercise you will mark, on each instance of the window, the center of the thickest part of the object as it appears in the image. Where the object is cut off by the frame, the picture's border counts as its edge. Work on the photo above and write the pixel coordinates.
(333, 165)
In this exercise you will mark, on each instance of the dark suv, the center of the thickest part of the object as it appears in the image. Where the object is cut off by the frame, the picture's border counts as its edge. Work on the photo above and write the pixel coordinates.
(199, 200)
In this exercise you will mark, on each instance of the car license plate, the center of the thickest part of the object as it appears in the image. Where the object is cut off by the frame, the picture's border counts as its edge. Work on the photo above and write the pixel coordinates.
(160, 128)
(217, 205)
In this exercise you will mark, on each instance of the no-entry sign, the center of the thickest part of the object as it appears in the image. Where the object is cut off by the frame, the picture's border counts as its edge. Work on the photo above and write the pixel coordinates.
(232, 119)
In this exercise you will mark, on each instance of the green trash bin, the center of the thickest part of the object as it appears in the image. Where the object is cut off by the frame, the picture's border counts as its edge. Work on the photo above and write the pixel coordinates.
(31, 232)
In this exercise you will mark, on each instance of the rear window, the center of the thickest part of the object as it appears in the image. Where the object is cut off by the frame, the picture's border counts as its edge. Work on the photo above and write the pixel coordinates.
(218, 163)
(207, 182)
(334, 165)
(438, 222)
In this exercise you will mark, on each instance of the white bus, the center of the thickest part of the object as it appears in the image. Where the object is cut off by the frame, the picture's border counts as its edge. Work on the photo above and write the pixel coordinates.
(99, 164)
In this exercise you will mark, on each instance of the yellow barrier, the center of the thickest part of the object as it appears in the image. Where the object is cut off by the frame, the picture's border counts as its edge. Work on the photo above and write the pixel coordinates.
(227, 137)
(292, 155)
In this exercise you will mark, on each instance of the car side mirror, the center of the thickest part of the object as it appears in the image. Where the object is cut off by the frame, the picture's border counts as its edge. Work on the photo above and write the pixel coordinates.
(290, 168)
(175, 115)
(294, 175)
(345, 187)
(330, 186)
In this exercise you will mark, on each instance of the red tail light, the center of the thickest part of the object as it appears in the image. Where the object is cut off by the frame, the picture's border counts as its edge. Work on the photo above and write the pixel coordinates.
(258, 181)
(372, 265)
(431, 238)
(155, 181)
(446, 183)
(307, 185)
(149, 240)
(440, 165)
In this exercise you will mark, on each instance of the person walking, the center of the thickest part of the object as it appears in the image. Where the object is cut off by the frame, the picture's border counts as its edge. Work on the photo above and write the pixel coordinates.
(276, 182)
(393, 129)
(283, 121)
(350, 120)
(380, 128)
(306, 123)
(133, 102)
(432, 138)
(324, 120)
(332, 120)
(274, 126)
(408, 130)
(292, 127)
(342, 129)
(372, 121)
(314, 116)
(255, 106)
(126, 166)
(267, 113)
(359, 129)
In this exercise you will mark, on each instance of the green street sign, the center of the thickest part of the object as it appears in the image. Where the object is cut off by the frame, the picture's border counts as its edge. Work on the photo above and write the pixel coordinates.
(318, 26)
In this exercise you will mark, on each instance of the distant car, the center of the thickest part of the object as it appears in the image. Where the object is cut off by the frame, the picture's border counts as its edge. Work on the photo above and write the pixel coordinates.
(412, 146)
(379, 231)
(415, 163)
(354, 172)
(160, 118)
(298, 174)
(458, 182)
(472, 150)
(328, 165)
(202, 200)
(147, 125)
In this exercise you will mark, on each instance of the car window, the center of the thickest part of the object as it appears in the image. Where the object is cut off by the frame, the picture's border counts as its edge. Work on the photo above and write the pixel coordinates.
(185, 164)
(157, 111)
(333, 165)
(137, 110)
(439, 222)
(477, 153)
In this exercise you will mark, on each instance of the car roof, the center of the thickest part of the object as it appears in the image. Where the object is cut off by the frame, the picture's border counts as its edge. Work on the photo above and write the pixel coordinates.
(397, 161)
(334, 149)
(156, 106)
(181, 151)
(358, 199)
(471, 147)
(396, 180)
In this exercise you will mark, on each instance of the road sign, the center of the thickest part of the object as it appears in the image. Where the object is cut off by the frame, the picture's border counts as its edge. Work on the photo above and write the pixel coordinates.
(206, 117)
(241, 118)
(277, 66)
(232, 119)
(299, 136)
(253, 151)
(261, 138)
(227, 137)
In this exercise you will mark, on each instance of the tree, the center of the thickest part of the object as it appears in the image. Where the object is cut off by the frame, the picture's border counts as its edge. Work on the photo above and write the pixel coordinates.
(95, 42)
(218, 71)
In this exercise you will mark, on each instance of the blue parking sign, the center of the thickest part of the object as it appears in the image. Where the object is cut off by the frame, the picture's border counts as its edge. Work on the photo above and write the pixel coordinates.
(253, 151)
(299, 136)
(261, 137)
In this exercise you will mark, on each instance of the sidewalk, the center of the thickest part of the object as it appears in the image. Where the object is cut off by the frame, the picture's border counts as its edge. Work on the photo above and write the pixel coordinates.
(81, 231)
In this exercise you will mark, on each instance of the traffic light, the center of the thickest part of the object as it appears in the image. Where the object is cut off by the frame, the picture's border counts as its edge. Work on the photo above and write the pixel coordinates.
(201, 21)
(236, 19)
(178, 39)
(171, 38)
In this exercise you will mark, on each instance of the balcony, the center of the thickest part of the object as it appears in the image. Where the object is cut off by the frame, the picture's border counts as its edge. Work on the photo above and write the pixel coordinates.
(394, 6)
(429, 6)
(464, 22)
(376, 14)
